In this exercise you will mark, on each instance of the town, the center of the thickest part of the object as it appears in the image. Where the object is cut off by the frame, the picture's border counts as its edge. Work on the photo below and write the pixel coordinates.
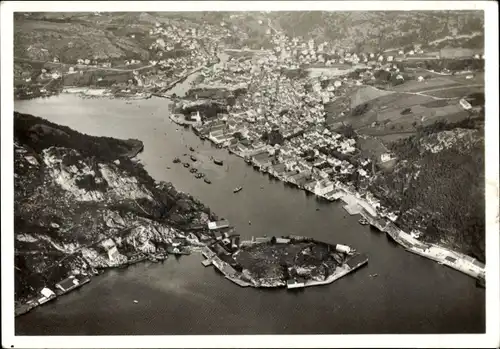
(318, 117)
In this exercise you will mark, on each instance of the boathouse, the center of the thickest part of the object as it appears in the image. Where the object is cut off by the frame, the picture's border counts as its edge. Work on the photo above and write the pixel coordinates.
(68, 284)
(218, 225)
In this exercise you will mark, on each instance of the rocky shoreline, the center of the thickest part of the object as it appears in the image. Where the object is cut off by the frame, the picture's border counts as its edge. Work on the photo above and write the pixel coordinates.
(83, 204)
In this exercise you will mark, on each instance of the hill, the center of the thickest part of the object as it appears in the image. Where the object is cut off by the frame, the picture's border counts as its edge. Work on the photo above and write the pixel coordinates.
(376, 30)
(77, 196)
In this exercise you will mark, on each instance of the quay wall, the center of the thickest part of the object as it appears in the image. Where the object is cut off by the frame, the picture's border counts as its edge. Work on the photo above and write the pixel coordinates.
(357, 205)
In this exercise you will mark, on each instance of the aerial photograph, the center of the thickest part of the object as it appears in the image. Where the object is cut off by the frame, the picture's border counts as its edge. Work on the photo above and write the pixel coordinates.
(254, 172)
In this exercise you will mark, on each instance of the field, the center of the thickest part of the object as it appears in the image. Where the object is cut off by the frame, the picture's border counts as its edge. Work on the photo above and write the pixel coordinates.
(430, 84)
(458, 92)
(397, 115)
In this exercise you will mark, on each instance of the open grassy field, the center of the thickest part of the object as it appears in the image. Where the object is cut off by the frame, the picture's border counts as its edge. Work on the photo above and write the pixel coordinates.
(457, 92)
(397, 115)
(433, 82)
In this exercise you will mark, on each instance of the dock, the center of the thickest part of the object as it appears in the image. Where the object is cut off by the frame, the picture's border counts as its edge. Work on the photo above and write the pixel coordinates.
(206, 262)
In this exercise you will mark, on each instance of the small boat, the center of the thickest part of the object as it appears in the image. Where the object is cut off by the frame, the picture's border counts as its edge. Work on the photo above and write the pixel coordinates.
(168, 167)
(186, 165)
(193, 170)
(200, 175)
(363, 221)
(192, 158)
(136, 301)
(317, 209)
(191, 148)
(373, 275)
(176, 160)
(237, 189)
(218, 162)
(207, 181)
(249, 223)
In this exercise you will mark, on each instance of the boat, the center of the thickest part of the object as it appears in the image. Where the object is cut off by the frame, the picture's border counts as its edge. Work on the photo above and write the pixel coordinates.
(176, 160)
(193, 170)
(191, 148)
(136, 301)
(373, 275)
(200, 175)
(186, 165)
(192, 158)
(248, 159)
(363, 221)
(237, 189)
(207, 181)
(218, 162)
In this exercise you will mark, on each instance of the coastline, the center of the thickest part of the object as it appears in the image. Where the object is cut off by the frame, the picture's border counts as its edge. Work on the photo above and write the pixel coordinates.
(355, 205)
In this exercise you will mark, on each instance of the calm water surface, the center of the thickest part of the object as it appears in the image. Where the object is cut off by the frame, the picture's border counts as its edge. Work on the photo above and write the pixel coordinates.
(410, 295)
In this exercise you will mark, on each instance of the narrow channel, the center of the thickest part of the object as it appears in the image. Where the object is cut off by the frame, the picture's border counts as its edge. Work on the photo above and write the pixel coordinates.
(411, 294)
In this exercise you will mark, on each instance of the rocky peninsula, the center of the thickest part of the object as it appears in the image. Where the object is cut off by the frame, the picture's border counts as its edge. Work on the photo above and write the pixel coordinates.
(83, 204)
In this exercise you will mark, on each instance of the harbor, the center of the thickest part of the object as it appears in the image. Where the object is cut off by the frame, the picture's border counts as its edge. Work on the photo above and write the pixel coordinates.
(355, 205)
(200, 291)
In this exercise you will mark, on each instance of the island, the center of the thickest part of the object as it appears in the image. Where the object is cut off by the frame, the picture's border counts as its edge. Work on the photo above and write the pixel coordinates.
(288, 261)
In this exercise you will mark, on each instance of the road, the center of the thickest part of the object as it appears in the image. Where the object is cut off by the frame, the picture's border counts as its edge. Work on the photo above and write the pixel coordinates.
(84, 66)
(450, 88)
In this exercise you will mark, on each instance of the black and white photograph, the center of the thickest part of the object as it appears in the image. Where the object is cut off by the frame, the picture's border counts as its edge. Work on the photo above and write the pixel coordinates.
(178, 170)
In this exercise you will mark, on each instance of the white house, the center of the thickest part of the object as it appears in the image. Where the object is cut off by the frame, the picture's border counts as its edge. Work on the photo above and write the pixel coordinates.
(322, 187)
(343, 248)
(464, 104)
(385, 157)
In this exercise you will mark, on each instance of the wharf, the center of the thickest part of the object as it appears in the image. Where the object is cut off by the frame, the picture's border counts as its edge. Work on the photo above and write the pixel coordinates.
(206, 262)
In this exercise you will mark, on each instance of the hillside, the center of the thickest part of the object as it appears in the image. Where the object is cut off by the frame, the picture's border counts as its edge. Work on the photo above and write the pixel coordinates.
(438, 185)
(77, 197)
(381, 30)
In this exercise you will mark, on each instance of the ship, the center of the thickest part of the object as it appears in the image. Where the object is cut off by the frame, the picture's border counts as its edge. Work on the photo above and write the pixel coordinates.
(207, 181)
(200, 175)
(176, 160)
(237, 189)
(193, 158)
(193, 170)
(218, 162)
(186, 165)
(191, 148)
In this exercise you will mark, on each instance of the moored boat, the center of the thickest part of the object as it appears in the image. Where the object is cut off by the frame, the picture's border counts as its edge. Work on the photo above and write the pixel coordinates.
(218, 162)
(207, 181)
(237, 189)
(363, 221)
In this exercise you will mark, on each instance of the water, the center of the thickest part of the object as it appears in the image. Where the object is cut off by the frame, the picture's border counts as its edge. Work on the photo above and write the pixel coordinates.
(410, 295)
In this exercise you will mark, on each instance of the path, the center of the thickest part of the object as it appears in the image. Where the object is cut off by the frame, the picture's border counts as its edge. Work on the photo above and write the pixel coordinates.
(84, 66)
